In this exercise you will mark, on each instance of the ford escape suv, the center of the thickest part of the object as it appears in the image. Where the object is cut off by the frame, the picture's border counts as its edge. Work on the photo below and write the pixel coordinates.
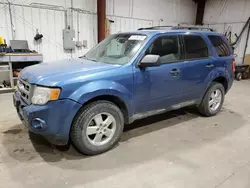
(126, 77)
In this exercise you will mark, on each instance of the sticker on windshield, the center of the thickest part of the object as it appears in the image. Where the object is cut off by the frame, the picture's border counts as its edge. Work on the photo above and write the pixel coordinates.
(137, 37)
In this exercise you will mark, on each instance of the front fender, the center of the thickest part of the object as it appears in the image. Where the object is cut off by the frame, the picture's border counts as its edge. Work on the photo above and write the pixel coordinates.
(100, 88)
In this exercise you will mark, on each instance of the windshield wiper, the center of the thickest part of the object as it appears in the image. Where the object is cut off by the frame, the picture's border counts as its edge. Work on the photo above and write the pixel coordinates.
(88, 58)
(92, 60)
(82, 56)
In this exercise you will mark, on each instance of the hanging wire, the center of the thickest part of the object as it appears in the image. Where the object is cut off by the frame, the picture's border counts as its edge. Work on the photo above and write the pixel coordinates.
(47, 6)
(7, 1)
(11, 23)
(33, 27)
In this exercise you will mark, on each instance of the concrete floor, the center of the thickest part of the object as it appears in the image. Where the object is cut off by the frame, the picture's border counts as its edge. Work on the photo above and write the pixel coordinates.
(174, 150)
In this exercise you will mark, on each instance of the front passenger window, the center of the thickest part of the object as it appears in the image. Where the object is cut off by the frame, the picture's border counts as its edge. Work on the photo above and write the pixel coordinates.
(166, 47)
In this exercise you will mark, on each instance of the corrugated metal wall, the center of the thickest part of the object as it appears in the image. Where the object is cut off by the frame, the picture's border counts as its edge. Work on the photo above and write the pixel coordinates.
(235, 28)
(123, 24)
(226, 11)
(163, 12)
(231, 15)
(127, 16)
(85, 26)
(5, 28)
(27, 20)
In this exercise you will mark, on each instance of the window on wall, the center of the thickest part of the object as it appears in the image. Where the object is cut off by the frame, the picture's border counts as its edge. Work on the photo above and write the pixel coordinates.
(220, 46)
(167, 48)
(195, 47)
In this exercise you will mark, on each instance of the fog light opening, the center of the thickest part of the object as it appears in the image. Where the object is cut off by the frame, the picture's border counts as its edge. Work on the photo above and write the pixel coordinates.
(38, 123)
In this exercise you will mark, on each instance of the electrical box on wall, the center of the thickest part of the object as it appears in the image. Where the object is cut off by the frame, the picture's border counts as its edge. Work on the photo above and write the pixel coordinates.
(85, 43)
(69, 39)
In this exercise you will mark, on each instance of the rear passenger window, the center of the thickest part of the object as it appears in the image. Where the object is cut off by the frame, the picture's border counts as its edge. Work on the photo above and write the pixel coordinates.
(195, 47)
(220, 46)
(166, 47)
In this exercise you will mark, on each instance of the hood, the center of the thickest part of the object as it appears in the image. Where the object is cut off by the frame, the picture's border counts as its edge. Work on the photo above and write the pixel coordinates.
(51, 73)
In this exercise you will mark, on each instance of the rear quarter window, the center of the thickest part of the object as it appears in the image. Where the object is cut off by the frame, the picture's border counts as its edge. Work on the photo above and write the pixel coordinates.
(220, 46)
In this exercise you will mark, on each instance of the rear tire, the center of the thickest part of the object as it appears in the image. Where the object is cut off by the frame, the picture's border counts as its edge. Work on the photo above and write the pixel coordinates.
(97, 128)
(213, 100)
(244, 75)
(239, 76)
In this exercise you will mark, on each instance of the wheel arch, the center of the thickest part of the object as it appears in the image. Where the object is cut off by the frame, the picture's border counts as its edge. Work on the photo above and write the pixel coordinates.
(222, 80)
(105, 90)
(82, 119)
(219, 75)
(114, 99)
(216, 76)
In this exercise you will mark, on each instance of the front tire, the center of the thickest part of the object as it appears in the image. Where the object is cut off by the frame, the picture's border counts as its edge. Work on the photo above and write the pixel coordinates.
(97, 128)
(213, 100)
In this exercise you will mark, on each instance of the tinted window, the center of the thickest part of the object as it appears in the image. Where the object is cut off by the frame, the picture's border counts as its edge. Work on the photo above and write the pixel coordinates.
(220, 46)
(195, 47)
(166, 47)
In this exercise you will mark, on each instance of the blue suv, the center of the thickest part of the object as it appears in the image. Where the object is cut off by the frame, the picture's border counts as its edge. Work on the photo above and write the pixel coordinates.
(126, 77)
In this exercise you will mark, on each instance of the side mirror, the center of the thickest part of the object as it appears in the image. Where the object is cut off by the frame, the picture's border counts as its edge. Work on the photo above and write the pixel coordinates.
(150, 61)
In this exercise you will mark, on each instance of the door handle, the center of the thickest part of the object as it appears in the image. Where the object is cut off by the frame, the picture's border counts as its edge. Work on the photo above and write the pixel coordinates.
(210, 65)
(174, 72)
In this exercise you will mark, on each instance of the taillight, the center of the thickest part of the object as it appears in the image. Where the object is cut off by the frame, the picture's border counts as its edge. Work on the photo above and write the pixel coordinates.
(233, 65)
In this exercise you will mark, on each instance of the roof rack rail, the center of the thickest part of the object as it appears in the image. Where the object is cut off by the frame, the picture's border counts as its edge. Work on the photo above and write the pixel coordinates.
(156, 27)
(178, 28)
(192, 28)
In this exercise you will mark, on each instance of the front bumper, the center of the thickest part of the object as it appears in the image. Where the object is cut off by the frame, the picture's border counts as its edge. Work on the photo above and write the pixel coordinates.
(55, 117)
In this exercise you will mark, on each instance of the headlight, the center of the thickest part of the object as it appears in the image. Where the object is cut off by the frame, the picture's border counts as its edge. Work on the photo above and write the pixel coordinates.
(42, 95)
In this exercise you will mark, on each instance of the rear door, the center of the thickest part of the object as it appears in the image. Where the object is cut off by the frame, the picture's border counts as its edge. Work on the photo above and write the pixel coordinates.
(223, 52)
(198, 63)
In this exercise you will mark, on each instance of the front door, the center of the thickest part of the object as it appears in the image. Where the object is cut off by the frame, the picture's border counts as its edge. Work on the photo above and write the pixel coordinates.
(159, 87)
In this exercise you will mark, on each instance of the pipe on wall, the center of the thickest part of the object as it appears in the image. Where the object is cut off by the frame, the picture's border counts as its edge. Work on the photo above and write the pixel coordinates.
(13, 30)
(246, 44)
(50, 7)
(101, 19)
(72, 19)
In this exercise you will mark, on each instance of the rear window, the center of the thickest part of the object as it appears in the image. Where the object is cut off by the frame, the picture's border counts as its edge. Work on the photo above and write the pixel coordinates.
(220, 46)
(195, 47)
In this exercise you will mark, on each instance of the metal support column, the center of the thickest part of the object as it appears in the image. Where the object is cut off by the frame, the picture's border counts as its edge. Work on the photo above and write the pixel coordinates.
(101, 19)
(200, 12)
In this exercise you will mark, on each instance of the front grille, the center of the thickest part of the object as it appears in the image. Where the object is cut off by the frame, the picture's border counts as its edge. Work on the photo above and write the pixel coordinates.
(25, 89)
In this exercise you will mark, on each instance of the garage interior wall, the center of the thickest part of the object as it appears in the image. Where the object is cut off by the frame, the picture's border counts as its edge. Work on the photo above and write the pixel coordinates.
(48, 20)
(225, 15)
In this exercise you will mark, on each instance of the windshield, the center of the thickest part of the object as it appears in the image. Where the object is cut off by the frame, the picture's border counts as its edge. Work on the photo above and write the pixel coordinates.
(116, 49)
